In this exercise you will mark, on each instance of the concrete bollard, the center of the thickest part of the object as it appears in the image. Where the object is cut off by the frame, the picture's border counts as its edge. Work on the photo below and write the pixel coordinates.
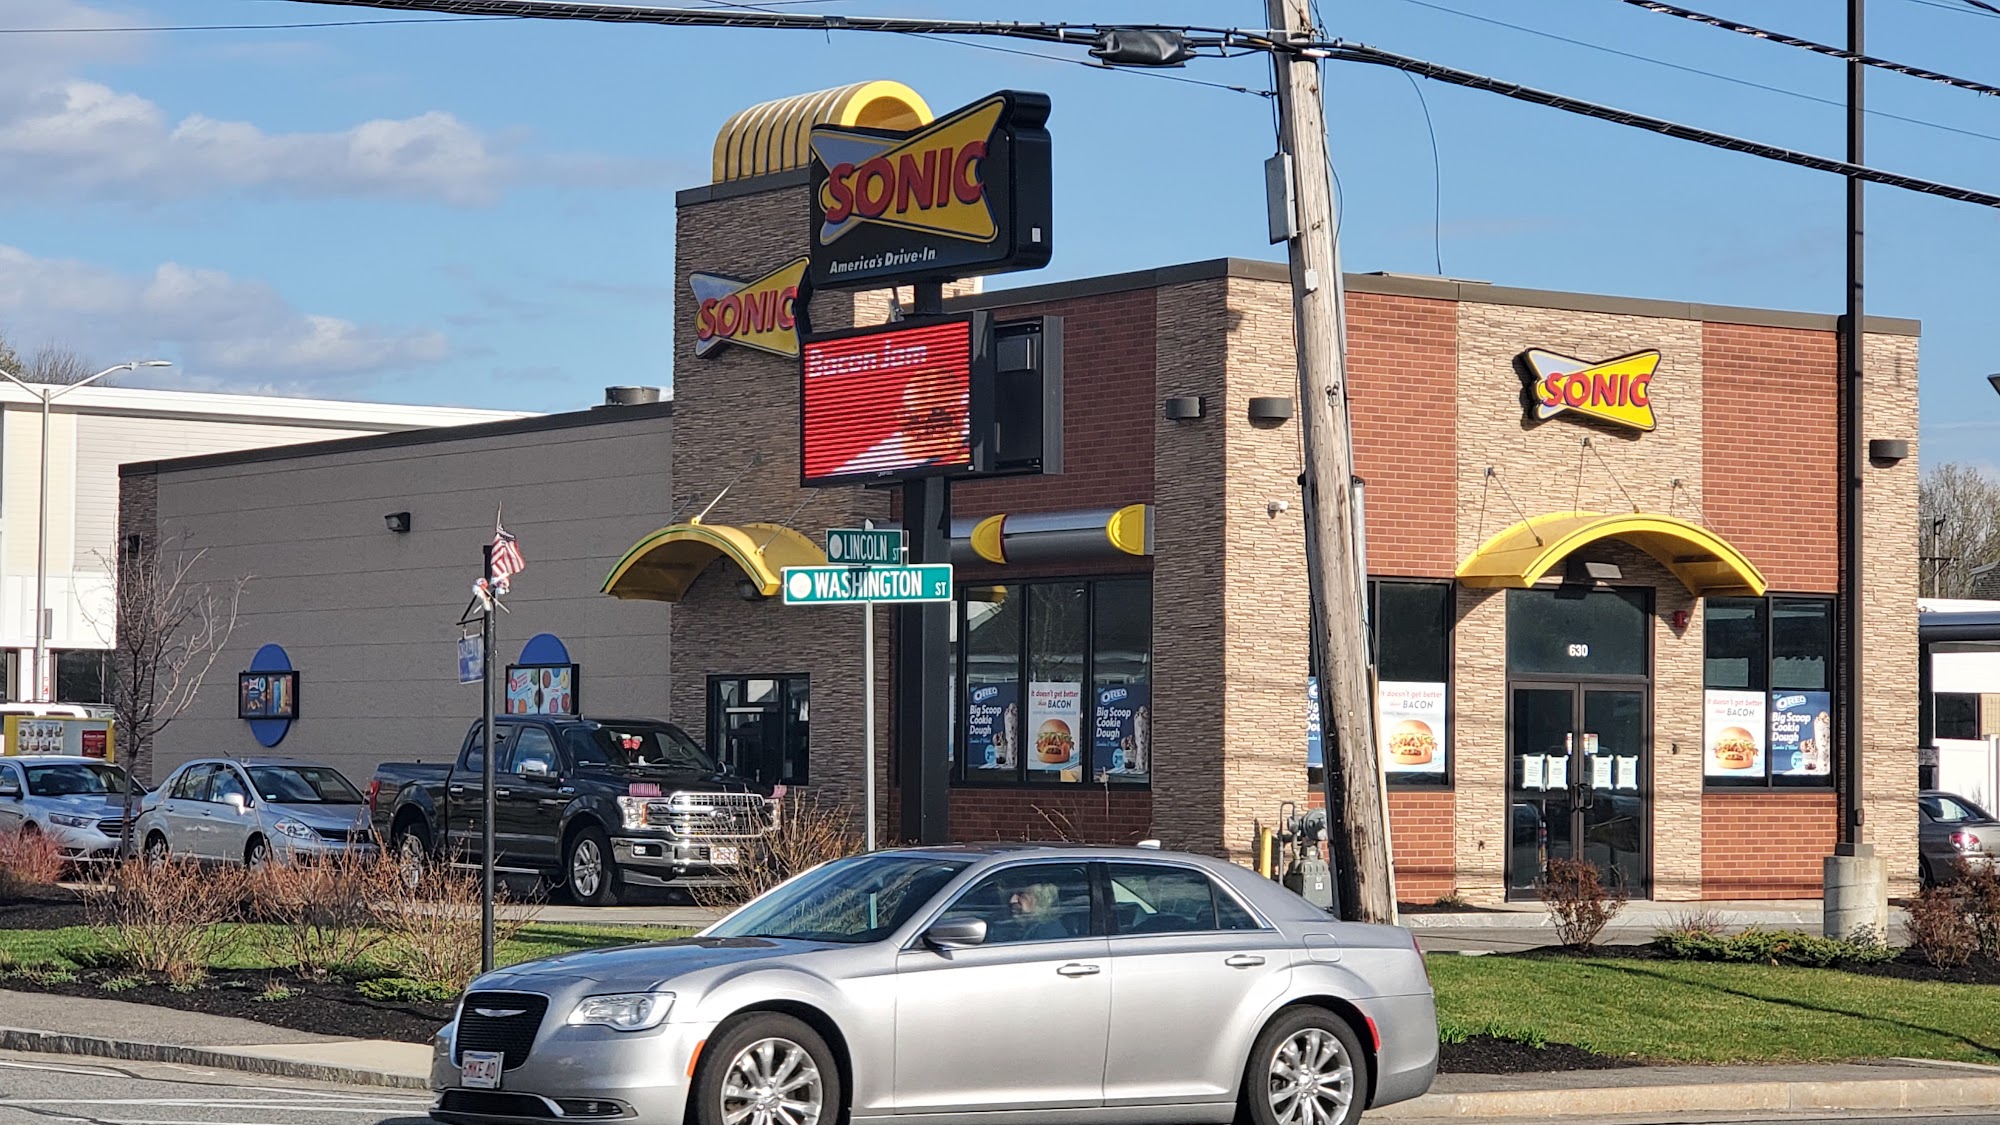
(1856, 896)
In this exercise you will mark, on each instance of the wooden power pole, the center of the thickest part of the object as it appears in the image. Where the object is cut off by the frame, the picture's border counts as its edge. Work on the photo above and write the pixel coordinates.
(1359, 833)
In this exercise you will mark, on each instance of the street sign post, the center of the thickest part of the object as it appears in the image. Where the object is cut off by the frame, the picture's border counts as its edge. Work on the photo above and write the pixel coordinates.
(854, 585)
(856, 546)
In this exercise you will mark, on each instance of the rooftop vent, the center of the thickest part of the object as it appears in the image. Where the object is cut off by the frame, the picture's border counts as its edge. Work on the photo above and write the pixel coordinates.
(630, 396)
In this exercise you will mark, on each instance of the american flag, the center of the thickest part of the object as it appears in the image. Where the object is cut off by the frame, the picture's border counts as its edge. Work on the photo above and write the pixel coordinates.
(507, 560)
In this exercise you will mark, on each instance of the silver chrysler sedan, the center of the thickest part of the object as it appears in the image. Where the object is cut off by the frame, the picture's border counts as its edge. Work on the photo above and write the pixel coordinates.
(978, 985)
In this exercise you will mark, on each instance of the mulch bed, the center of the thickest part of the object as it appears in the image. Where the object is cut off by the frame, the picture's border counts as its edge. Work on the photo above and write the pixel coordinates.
(330, 1007)
(1909, 965)
(44, 908)
(1483, 1054)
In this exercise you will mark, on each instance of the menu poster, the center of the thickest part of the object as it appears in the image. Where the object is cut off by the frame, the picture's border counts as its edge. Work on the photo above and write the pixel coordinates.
(541, 689)
(993, 726)
(1055, 711)
(1801, 733)
(1124, 729)
(1410, 717)
(1733, 728)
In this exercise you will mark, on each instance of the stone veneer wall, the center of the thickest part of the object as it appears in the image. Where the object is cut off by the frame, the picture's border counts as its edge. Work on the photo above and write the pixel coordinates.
(1888, 613)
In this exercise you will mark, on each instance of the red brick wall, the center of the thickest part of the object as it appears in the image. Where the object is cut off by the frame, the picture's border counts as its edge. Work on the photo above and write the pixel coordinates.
(1090, 815)
(1108, 417)
(1402, 358)
(1421, 835)
(1771, 445)
(1765, 843)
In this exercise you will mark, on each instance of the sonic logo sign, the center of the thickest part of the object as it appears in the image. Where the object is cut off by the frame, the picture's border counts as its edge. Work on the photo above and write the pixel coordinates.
(760, 314)
(1618, 391)
(967, 194)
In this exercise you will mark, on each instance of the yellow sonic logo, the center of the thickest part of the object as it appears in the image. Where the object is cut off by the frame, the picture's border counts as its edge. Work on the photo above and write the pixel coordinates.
(759, 314)
(928, 180)
(1618, 390)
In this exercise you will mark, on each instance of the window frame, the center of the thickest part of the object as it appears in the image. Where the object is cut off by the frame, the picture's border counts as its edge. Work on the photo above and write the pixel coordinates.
(1218, 889)
(1978, 718)
(962, 776)
(781, 690)
(1767, 780)
(1423, 783)
(1098, 926)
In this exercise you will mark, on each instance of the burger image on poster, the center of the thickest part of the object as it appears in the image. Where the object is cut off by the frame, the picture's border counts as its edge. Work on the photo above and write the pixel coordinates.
(1412, 743)
(1734, 748)
(1054, 742)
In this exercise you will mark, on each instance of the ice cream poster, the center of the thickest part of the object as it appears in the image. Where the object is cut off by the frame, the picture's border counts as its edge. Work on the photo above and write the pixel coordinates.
(1801, 733)
(1733, 733)
(993, 726)
(1124, 729)
(541, 689)
(1410, 719)
(1055, 711)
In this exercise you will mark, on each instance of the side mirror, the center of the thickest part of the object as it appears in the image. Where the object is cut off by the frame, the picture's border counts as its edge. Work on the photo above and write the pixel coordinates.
(235, 801)
(956, 933)
(535, 768)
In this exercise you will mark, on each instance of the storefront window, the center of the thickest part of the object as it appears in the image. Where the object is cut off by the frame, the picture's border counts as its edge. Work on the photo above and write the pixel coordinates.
(1412, 636)
(1578, 631)
(80, 676)
(1957, 715)
(759, 727)
(1768, 703)
(1058, 681)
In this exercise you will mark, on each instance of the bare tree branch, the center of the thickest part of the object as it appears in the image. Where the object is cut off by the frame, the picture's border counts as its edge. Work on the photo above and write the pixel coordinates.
(1967, 500)
(55, 363)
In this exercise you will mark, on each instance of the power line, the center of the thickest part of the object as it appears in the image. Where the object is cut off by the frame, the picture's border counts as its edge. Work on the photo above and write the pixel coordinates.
(1818, 48)
(1835, 102)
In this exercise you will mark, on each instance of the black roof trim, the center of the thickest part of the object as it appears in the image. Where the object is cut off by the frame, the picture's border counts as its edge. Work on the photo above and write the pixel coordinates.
(400, 439)
(749, 185)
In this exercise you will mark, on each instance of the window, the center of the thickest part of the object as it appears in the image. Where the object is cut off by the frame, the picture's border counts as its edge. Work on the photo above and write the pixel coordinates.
(227, 781)
(1410, 623)
(80, 676)
(475, 755)
(1768, 700)
(637, 744)
(533, 744)
(1951, 810)
(303, 785)
(192, 784)
(1957, 715)
(75, 779)
(858, 899)
(1036, 902)
(1579, 631)
(1157, 899)
(1058, 681)
(759, 727)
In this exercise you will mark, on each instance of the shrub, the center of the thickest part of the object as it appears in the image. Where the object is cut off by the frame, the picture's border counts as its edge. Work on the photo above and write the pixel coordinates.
(431, 923)
(169, 917)
(1940, 930)
(1773, 947)
(29, 860)
(323, 914)
(1577, 900)
(406, 991)
(1692, 923)
(276, 992)
(811, 830)
(120, 984)
(1978, 889)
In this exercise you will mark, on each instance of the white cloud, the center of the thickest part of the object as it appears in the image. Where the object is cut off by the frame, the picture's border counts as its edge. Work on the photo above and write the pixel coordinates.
(227, 333)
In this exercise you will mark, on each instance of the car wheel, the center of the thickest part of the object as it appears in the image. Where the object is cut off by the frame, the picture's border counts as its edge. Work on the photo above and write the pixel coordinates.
(588, 870)
(413, 854)
(768, 1069)
(1926, 873)
(257, 854)
(156, 849)
(1306, 1069)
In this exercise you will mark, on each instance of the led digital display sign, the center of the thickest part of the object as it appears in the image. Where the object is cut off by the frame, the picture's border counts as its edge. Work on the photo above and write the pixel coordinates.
(888, 403)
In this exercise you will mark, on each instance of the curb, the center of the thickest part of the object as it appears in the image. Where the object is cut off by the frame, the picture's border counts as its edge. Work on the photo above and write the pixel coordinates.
(1536, 920)
(1723, 1097)
(61, 1043)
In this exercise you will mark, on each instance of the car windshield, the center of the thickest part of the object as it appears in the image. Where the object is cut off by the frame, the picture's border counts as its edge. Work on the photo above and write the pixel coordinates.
(303, 785)
(858, 899)
(638, 744)
(71, 779)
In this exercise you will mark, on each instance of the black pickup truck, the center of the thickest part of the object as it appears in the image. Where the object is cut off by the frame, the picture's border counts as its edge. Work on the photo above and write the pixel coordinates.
(590, 805)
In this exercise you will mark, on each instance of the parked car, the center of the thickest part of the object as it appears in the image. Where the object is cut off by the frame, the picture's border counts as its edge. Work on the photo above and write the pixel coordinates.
(249, 810)
(77, 802)
(588, 804)
(1951, 828)
(997, 983)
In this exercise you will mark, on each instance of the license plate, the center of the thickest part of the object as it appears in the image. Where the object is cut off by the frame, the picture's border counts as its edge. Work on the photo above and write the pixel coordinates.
(726, 856)
(480, 1070)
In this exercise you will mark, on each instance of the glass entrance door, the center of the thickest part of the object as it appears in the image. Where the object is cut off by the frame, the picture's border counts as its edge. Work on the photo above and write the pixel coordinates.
(1579, 783)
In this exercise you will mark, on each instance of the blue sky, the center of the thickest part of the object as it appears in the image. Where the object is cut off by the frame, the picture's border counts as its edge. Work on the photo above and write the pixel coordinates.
(482, 213)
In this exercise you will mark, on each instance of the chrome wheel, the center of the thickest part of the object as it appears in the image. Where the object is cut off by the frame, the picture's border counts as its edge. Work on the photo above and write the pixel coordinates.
(258, 856)
(156, 849)
(411, 855)
(1311, 1079)
(586, 868)
(772, 1082)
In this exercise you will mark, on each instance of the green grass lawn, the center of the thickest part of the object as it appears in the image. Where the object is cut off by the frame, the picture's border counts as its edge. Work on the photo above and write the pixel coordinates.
(27, 948)
(1698, 1011)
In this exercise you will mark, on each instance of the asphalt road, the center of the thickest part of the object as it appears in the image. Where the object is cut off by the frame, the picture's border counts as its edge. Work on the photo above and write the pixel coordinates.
(62, 1090)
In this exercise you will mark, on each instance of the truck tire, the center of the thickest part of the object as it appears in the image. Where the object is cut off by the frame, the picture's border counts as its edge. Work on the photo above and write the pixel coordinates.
(588, 869)
(412, 847)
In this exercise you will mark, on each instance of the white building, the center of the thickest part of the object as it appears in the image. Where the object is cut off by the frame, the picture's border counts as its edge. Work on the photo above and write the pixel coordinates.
(92, 430)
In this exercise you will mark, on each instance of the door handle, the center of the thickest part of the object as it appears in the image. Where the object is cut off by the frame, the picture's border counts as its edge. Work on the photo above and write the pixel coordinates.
(458, 789)
(1243, 961)
(1075, 970)
(503, 792)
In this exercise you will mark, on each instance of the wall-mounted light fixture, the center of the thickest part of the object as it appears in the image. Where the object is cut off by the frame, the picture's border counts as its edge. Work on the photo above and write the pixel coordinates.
(1271, 409)
(1587, 571)
(1185, 408)
(399, 522)
(1888, 449)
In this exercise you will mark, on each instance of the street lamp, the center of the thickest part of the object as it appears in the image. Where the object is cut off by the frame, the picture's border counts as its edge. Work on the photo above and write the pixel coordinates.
(44, 680)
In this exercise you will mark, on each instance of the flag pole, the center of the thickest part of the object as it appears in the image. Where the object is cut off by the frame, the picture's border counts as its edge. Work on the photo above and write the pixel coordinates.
(486, 768)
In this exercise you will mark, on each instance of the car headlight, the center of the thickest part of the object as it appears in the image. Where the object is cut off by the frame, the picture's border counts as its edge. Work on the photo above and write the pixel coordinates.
(634, 809)
(68, 820)
(624, 1011)
(296, 829)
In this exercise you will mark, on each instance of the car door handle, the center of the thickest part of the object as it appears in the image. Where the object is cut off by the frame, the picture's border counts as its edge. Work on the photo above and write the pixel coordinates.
(503, 792)
(1243, 961)
(458, 788)
(1075, 970)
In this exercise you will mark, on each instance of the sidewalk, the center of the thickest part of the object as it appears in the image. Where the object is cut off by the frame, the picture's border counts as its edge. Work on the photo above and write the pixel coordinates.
(1516, 926)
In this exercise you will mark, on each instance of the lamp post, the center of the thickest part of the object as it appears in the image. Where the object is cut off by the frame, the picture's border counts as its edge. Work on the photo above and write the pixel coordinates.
(44, 685)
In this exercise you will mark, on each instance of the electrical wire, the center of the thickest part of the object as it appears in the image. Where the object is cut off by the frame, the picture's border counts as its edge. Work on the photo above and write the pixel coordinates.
(1272, 94)
(1437, 178)
(1814, 47)
(1835, 102)
(318, 24)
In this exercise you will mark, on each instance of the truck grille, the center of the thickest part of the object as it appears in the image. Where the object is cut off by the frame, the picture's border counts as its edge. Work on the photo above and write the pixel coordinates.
(714, 816)
(510, 1029)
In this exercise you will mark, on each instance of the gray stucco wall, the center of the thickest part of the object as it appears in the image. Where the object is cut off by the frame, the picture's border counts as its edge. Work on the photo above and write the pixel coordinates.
(369, 616)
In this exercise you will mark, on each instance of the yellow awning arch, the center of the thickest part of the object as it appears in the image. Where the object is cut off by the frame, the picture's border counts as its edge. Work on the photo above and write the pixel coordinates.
(1705, 562)
(661, 567)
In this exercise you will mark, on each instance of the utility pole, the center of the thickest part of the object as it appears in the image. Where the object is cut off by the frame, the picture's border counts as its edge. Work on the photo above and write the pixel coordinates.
(1359, 835)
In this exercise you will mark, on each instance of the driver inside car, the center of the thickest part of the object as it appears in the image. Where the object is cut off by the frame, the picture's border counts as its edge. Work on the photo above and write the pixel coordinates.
(1032, 913)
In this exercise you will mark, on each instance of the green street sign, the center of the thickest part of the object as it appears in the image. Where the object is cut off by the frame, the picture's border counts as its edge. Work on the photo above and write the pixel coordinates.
(854, 585)
(853, 546)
